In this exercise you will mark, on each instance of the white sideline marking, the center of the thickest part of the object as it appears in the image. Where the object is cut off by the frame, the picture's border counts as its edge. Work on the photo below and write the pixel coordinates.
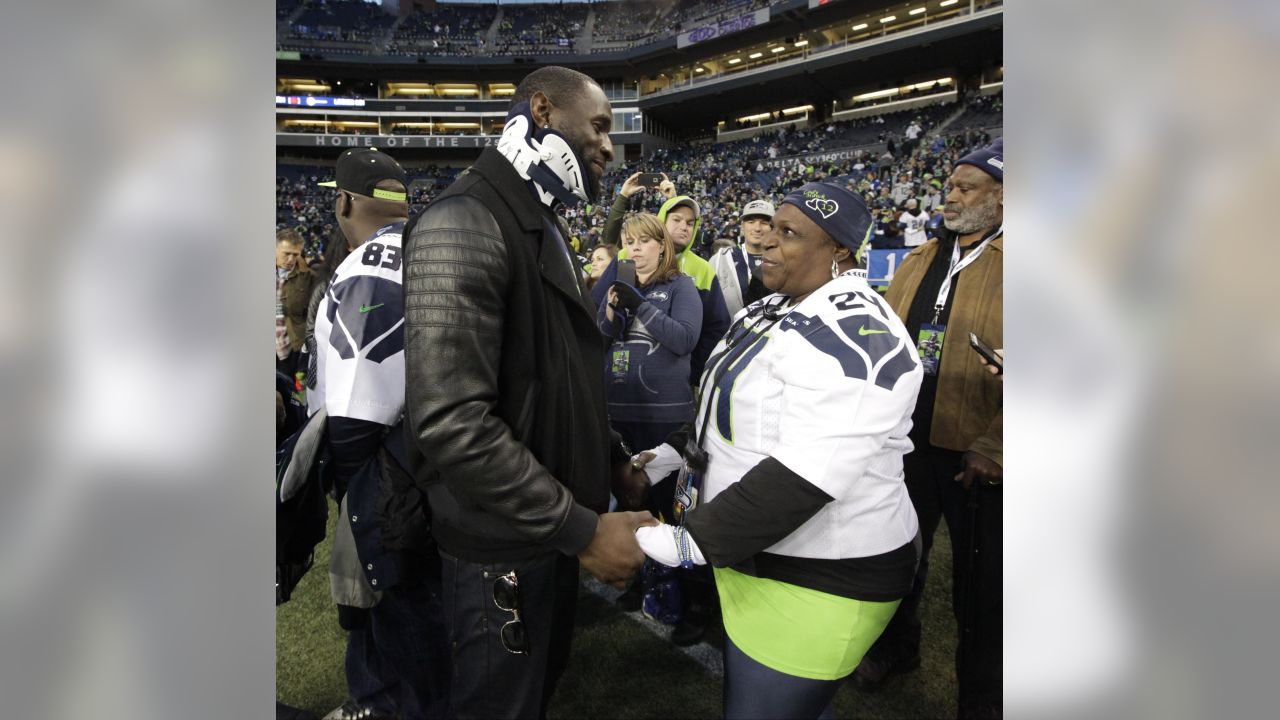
(705, 655)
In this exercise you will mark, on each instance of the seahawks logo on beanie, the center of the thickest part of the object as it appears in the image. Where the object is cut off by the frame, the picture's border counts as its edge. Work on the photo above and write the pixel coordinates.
(825, 207)
(840, 213)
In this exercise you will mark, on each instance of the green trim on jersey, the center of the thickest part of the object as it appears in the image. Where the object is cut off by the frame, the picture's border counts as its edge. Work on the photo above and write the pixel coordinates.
(798, 631)
(735, 371)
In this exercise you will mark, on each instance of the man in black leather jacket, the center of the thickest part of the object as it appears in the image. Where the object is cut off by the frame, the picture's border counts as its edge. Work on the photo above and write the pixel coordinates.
(506, 404)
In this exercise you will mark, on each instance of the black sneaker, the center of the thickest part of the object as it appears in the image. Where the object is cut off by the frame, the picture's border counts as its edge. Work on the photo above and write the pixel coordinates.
(631, 598)
(350, 711)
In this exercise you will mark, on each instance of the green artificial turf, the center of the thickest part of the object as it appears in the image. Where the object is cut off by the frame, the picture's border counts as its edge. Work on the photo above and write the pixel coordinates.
(310, 647)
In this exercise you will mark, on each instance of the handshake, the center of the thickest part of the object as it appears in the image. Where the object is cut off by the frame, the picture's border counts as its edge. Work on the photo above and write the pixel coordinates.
(614, 555)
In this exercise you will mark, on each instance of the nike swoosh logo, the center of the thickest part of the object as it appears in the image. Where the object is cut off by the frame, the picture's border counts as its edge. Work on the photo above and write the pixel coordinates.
(367, 308)
(864, 331)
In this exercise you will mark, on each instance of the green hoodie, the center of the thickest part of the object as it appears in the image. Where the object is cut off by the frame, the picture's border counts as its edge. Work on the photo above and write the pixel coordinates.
(690, 264)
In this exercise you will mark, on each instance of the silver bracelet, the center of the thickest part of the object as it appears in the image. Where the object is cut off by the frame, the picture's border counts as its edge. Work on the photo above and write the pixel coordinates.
(682, 547)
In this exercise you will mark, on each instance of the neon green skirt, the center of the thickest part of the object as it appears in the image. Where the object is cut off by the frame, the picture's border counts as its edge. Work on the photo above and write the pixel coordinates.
(796, 630)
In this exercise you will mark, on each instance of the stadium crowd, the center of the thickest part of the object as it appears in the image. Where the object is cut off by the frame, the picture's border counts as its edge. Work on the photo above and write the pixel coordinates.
(764, 166)
(762, 466)
(448, 30)
(461, 29)
(351, 20)
(767, 165)
(540, 28)
(691, 13)
(618, 24)
(359, 27)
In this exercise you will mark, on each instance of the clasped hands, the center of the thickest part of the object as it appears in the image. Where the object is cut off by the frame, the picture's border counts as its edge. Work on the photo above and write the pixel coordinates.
(614, 555)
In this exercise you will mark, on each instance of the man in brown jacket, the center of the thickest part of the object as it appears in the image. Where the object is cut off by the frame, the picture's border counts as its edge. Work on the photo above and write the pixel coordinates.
(947, 288)
(293, 290)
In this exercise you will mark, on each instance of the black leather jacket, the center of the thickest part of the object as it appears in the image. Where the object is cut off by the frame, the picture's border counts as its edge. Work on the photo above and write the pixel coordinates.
(504, 373)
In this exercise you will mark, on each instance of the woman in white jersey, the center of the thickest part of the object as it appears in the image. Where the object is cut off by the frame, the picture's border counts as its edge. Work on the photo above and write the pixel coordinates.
(794, 467)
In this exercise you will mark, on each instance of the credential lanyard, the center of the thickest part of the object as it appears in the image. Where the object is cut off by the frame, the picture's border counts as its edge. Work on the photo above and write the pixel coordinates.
(957, 264)
(695, 458)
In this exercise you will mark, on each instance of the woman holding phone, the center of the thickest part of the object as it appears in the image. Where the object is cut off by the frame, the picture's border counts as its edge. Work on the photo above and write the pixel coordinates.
(654, 326)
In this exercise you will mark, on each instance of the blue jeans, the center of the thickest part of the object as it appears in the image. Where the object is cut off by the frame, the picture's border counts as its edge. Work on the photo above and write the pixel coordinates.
(399, 661)
(752, 690)
(489, 681)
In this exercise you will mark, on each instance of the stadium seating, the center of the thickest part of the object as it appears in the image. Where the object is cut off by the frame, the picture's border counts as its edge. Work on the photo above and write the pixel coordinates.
(540, 28)
(981, 113)
(357, 27)
(623, 22)
(286, 8)
(691, 13)
(732, 173)
(341, 19)
(449, 30)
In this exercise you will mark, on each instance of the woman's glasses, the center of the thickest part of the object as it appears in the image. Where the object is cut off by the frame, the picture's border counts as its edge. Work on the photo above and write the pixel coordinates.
(506, 595)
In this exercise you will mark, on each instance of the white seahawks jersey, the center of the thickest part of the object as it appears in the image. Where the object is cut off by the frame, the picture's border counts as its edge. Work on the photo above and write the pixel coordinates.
(360, 333)
(915, 233)
(828, 391)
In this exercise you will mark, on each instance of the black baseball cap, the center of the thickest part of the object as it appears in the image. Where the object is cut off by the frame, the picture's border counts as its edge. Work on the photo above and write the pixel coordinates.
(361, 169)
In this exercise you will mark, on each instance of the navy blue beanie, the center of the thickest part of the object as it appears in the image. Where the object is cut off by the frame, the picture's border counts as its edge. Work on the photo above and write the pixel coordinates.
(841, 214)
(989, 160)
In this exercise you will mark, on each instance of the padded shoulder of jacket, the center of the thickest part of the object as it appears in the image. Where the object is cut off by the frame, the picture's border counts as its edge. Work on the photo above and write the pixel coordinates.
(456, 230)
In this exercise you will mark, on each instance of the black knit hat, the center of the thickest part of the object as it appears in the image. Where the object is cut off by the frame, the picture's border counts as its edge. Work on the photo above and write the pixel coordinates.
(989, 160)
(840, 213)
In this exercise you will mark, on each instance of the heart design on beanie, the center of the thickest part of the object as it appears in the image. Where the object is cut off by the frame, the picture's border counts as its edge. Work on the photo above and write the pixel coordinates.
(826, 208)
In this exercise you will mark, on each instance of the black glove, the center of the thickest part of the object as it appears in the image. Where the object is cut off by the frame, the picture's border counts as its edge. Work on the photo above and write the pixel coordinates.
(678, 439)
(619, 452)
(629, 298)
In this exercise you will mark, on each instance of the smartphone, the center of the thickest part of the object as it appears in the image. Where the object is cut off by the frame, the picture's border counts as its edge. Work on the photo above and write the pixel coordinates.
(652, 180)
(627, 272)
(985, 351)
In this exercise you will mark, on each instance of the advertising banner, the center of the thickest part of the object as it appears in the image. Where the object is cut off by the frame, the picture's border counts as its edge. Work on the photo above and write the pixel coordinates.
(313, 101)
(711, 30)
(820, 157)
(881, 264)
(386, 141)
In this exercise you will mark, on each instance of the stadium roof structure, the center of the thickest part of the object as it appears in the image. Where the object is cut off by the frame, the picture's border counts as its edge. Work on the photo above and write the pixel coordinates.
(816, 79)
(958, 47)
